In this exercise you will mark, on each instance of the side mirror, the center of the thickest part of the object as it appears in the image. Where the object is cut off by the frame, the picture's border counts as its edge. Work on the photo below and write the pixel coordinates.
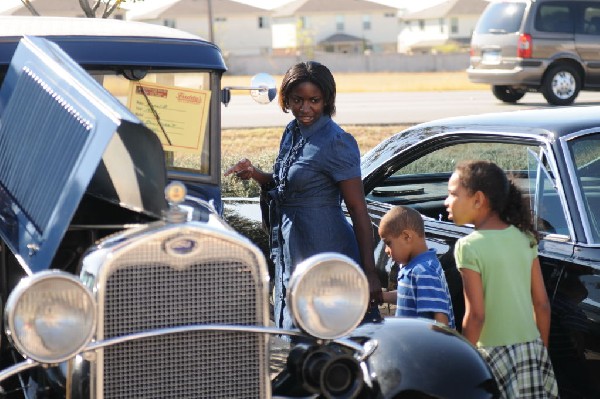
(262, 89)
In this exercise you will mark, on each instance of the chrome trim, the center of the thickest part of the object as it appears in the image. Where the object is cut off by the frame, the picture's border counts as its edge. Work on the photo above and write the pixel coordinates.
(362, 352)
(93, 346)
(18, 368)
(585, 223)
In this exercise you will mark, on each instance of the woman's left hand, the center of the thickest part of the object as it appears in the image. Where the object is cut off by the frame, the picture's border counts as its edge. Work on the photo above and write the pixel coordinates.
(376, 295)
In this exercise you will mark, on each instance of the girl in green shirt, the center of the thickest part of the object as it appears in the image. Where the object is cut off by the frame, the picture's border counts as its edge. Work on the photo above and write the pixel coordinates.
(507, 312)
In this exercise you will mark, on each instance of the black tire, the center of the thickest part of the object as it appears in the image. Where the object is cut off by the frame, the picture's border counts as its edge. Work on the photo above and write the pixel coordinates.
(507, 94)
(561, 84)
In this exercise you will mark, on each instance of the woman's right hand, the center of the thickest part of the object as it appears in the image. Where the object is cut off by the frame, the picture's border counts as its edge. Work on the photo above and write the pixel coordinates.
(243, 169)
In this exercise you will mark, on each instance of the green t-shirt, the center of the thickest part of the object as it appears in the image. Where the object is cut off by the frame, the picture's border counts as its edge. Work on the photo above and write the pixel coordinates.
(503, 258)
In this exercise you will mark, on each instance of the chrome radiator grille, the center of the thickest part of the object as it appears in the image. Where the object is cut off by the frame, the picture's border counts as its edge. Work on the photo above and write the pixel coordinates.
(147, 288)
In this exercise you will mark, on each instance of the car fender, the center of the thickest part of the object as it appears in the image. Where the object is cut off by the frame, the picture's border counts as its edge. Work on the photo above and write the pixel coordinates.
(420, 356)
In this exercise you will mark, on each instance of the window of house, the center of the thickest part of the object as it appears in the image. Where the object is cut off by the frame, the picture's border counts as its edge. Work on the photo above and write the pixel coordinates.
(366, 22)
(302, 22)
(389, 15)
(422, 24)
(220, 19)
(339, 23)
(454, 25)
(442, 22)
(263, 22)
(169, 22)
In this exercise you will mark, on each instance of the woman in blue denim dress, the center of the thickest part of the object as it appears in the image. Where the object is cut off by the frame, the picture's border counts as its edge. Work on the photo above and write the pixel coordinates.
(317, 167)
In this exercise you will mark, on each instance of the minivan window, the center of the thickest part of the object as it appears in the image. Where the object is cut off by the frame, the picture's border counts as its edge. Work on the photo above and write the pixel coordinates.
(553, 17)
(591, 20)
(502, 17)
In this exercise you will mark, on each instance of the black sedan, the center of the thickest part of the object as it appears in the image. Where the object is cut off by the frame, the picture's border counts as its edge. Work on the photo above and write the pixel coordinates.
(554, 156)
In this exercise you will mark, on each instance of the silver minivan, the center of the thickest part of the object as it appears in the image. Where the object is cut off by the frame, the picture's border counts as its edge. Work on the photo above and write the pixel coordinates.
(546, 46)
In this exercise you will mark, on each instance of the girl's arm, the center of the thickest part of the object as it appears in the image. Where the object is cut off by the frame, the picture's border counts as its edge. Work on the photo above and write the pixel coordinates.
(354, 197)
(474, 305)
(541, 304)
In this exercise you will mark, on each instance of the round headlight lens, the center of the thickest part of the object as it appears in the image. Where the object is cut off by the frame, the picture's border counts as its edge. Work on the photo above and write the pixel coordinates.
(328, 295)
(50, 316)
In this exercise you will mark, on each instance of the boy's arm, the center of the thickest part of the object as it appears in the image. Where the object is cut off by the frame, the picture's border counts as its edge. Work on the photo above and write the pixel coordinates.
(390, 297)
(541, 304)
(441, 317)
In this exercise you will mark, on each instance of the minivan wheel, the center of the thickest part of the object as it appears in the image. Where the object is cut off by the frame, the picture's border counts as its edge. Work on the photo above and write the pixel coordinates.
(507, 94)
(561, 85)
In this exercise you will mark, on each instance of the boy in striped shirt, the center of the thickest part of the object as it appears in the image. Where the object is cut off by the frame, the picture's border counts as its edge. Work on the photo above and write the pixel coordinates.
(422, 288)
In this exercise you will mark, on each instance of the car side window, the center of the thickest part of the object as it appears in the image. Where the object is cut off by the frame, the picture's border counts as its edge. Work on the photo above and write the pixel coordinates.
(591, 20)
(555, 17)
(544, 198)
(423, 183)
(585, 153)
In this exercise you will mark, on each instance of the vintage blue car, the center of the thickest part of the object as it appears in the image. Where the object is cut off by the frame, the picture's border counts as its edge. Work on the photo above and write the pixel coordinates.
(554, 156)
(120, 278)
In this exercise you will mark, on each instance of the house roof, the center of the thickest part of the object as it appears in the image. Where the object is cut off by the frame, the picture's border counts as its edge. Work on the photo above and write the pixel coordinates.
(450, 7)
(319, 6)
(341, 38)
(195, 8)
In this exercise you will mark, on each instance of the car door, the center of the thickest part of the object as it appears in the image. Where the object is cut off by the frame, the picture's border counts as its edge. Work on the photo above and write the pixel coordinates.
(575, 326)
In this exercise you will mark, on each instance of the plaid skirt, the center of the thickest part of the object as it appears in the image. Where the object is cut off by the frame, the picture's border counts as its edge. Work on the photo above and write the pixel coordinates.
(522, 370)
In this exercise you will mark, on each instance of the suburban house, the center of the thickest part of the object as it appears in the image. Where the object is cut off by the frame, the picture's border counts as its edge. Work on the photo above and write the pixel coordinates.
(452, 21)
(236, 28)
(339, 26)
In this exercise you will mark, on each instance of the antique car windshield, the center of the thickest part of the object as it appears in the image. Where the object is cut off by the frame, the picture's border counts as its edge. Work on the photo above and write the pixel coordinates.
(585, 155)
(175, 105)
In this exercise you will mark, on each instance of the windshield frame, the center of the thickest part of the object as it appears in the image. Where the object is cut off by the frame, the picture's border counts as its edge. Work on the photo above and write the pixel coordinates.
(591, 237)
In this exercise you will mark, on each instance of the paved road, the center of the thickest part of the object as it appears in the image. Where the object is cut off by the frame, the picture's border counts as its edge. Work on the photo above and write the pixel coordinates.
(390, 108)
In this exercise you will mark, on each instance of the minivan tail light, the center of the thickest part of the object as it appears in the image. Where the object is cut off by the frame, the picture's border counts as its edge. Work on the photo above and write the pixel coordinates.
(525, 46)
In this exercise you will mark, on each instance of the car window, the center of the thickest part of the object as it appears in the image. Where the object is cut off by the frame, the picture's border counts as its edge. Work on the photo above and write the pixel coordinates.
(544, 198)
(591, 20)
(182, 128)
(504, 17)
(555, 17)
(423, 183)
(585, 153)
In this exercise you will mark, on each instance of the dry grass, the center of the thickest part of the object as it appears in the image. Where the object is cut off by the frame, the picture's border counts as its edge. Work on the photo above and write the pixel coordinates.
(386, 81)
(260, 141)
(260, 145)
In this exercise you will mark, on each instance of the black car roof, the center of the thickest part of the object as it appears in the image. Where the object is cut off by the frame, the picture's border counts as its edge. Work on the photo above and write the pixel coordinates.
(104, 42)
(554, 121)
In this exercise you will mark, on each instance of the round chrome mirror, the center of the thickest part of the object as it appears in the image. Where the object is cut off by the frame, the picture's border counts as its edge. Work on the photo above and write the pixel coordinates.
(263, 88)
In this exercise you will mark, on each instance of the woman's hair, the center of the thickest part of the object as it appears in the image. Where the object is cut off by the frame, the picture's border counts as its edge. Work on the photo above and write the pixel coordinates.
(504, 196)
(315, 73)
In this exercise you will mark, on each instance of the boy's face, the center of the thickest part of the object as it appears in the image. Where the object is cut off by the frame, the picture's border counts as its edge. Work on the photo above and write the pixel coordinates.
(399, 249)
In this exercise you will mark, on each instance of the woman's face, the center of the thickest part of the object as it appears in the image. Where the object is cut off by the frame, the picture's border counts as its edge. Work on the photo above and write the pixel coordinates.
(306, 103)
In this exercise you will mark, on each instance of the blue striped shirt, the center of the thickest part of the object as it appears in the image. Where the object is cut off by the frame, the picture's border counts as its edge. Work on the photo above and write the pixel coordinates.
(422, 289)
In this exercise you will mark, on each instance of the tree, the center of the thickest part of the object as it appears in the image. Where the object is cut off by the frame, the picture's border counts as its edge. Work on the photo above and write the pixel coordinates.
(91, 8)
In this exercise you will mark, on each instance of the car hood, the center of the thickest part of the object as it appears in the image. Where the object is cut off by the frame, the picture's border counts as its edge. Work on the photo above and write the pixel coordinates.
(62, 135)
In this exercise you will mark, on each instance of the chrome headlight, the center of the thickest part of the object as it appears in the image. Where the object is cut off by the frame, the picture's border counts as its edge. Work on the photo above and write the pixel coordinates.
(50, 316)
(328, 295)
